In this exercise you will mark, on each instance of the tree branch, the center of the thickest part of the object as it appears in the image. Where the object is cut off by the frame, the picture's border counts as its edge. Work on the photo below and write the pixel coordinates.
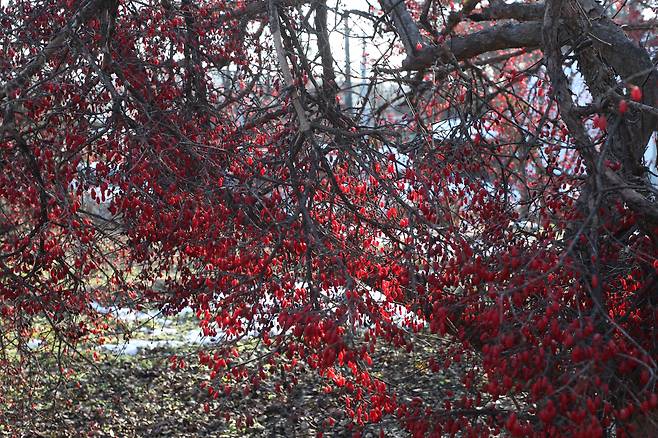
(304, 126)
(505, 36)
(324, 48)
(404, 24)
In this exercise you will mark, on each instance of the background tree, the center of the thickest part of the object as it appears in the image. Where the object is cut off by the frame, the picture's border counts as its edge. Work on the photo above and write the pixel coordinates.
(490, 185)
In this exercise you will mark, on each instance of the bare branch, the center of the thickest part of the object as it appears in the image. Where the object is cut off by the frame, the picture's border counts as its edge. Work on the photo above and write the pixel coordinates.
(324, 48)
(405, 25)
(285, 68)
(505, 36)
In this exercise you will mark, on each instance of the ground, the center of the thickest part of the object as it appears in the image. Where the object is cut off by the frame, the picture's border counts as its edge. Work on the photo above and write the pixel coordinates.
(130, 390)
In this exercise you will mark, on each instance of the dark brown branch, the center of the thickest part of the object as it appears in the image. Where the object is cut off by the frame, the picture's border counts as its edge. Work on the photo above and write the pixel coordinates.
(328, 75)
(505, 36)
(424, 19)
(553, 60)
(405, 25)
(635, 200)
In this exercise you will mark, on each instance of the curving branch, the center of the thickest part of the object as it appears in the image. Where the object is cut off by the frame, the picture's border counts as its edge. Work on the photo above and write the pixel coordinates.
(504, 36)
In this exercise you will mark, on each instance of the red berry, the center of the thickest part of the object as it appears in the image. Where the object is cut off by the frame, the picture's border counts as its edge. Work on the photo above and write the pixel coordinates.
(600, 122)
(653, 401)
(595, 281)
(636, 94)
(623, 106)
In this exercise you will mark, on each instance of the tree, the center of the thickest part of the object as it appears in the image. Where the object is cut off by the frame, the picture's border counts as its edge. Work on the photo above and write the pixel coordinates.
(207, 147)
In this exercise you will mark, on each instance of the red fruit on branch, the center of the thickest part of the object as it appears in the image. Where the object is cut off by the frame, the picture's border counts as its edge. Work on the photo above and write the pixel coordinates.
(600, 122)
(623, 106)
(636, 93)
(455, 216)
